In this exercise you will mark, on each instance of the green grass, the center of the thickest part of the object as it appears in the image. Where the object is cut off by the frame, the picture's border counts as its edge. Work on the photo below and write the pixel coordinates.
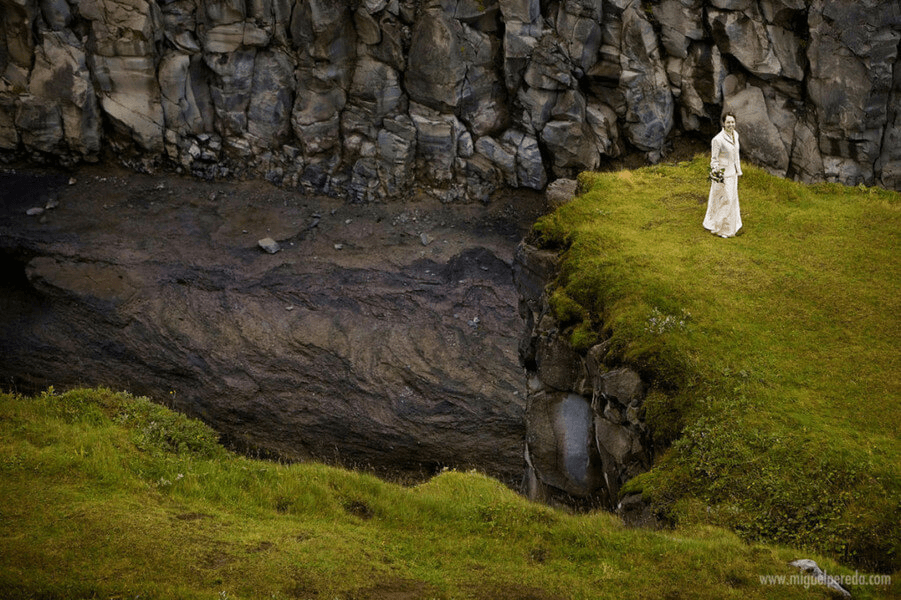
(104, 495)
(773, 356)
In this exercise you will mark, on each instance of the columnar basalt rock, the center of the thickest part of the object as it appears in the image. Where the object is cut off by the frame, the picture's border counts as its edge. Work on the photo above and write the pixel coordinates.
(309, 93)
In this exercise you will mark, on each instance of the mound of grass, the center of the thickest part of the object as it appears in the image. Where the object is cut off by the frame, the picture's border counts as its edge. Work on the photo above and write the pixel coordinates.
(103, 495)
(774, 356)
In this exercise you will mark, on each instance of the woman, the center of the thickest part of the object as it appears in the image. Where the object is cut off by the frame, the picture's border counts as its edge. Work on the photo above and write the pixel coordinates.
(723, 217)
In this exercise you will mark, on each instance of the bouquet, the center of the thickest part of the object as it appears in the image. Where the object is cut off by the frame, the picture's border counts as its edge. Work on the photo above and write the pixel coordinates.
(716, 175)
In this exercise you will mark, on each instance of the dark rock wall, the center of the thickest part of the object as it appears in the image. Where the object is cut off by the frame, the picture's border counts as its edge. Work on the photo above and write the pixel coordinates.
(585, 429)
(369, 98)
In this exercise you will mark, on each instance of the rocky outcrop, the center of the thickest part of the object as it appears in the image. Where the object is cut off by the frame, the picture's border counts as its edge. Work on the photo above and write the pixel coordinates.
(378, 336)
(370, 99)
(585, 430)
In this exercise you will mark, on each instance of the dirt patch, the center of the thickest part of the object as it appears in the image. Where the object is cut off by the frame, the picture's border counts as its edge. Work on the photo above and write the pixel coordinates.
(358, 508)
(513, 591)
(396, 589)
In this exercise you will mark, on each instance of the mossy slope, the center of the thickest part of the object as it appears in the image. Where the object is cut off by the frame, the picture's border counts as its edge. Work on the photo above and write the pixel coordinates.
(103, 495)
(774, 355)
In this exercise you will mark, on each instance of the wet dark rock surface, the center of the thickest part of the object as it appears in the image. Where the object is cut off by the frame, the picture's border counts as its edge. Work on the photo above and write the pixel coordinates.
(379, 336)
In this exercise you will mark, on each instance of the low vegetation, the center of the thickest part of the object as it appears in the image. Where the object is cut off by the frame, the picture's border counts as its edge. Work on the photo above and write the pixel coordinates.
(774, 362)
(774, 355)
(104, 495)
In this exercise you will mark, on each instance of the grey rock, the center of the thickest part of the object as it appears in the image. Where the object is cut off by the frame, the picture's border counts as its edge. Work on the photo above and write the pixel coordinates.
(850, 83)
(745, 36)
(501, 155)
(367, 27)
(806, 160)
(397, 153)
(582, 80)
(523, 11)
(130, 98)
(561, 191)
(761, 140)
(436, 143)
(816, 573)
(701, 81)
(636, 512)
(560, 442)
(186, 101)
(557, 364)
(645, 87)
(269, 245)
(680, 22)
(41, 124)
(530, 171)
(623, 385)
(437, 62)
(616, 441)
(560, 418)
(61, 76)
(270, 105)
(532, 269)
(581, 34)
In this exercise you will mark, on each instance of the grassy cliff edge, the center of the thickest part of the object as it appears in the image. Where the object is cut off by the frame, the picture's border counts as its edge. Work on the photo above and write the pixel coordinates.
(773, 355)
(774, 363)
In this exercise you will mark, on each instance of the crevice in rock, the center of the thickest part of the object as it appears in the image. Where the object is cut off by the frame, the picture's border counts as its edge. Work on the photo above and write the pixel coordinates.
(585, 429)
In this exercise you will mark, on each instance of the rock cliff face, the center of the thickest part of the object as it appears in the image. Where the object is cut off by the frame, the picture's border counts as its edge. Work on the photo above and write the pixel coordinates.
(372, 98)
(585, 430)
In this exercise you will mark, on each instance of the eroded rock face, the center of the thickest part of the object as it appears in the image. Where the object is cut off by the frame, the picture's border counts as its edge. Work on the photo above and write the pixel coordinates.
(378, 336)
(585, 430)
(320, 94)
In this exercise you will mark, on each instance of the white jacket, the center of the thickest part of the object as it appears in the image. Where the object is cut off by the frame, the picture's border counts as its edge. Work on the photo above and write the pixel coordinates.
(724, 154)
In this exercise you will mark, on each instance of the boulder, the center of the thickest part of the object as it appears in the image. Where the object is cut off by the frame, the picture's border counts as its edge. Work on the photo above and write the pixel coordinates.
(578, 24)
(18, 19)
(396, 155)
(530, 171)
(850, 83)
(230, 89)
(187, 104)
(806, 161)
(41, 124)
(130, 98)
(701, 76)
(271, 100)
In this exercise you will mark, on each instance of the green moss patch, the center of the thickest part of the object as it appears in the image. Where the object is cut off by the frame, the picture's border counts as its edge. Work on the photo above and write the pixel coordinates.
(104, 495)
(774, 355)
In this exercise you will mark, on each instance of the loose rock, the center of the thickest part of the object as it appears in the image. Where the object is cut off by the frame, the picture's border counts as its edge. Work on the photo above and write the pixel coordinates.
(269, 245)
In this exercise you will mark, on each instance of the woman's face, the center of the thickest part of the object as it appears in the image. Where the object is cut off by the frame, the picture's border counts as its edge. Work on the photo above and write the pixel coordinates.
(729, 124)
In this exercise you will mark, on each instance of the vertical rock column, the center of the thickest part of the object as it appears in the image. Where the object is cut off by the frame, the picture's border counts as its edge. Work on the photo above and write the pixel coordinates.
(124, 35)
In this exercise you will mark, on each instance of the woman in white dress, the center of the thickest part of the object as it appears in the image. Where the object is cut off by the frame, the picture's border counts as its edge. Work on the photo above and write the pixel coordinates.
(723, 217)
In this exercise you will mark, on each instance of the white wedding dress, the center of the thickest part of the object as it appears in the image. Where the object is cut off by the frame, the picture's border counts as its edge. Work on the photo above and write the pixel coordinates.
(723, 215)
